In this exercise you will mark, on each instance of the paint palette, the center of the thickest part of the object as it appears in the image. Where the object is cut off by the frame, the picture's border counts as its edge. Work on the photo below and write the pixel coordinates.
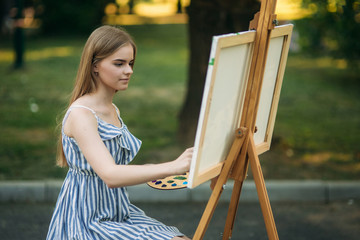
(171, 182)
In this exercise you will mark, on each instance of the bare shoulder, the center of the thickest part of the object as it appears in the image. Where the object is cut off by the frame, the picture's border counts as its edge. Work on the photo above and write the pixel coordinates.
(80, 119)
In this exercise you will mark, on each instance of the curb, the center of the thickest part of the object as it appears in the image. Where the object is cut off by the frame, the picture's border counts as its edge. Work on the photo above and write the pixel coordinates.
(278, 190)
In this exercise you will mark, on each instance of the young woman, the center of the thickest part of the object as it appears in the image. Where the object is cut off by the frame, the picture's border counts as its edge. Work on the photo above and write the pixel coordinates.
(97, 146)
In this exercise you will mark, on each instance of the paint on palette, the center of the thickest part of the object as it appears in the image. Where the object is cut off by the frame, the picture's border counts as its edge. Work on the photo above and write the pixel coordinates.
(170, 183)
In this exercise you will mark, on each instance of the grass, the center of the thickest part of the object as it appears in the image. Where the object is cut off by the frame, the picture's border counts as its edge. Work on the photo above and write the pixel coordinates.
(316, 132)
(317, 128)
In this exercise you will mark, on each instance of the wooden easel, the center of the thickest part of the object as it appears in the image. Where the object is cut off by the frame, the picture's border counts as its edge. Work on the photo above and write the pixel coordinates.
(243, 149)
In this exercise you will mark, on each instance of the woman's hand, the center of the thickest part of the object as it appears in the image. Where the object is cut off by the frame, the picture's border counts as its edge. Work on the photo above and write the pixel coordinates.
(182, 163)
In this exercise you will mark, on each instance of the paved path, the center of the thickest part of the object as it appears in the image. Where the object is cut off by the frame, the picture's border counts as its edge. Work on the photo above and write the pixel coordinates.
(338, 220)
(278, 190)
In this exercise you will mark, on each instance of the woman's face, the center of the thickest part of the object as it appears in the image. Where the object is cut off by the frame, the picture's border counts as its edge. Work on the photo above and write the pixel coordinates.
(114, 71)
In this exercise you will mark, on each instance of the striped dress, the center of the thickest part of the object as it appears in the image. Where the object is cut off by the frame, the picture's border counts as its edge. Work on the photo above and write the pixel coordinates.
(87, 209)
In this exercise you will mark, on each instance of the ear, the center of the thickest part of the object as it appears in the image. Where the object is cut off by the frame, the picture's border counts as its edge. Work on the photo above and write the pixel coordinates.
(95, 68)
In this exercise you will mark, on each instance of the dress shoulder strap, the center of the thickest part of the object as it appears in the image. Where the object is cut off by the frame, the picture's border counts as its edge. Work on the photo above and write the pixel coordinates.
(117, 110)
(81, 106)
(77, 106)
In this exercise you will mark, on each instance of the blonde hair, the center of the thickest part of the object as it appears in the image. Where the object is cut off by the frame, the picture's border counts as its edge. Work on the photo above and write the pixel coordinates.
(101, 43)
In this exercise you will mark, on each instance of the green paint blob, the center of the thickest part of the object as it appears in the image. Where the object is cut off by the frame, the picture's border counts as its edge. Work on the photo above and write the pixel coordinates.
(180, 178)
(212, 61)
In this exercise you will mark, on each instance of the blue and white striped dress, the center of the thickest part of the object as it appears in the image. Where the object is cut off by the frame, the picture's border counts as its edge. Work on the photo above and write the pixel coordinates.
(87, 209)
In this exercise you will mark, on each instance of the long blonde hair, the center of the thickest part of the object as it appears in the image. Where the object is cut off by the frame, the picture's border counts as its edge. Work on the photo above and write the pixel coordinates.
(102, 42)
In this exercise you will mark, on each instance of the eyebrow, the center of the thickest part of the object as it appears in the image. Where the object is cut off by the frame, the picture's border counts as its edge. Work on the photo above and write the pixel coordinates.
(122, 60)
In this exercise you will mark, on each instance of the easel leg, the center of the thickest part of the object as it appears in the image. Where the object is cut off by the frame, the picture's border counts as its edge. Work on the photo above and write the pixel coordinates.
(241, 134)
(239, 177)
(209, 211)
(234, 203)
(261, 190)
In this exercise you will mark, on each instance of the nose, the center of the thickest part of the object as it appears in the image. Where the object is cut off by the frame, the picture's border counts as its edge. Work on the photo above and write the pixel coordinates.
(128, 69)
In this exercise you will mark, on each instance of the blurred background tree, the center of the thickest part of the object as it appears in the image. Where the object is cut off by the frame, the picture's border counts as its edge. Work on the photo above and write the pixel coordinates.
(72, 16)
(333, 29)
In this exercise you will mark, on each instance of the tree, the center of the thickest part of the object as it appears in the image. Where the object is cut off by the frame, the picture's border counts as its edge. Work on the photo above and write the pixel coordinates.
(206, 19)
(333, 29)
(72, 16)
(19, 36)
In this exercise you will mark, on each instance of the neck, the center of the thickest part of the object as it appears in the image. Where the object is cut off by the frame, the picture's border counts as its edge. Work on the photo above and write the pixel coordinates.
(103, 97)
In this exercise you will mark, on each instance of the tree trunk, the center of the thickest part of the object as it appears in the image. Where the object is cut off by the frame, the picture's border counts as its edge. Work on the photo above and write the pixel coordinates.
(206, 19)
(19, 42)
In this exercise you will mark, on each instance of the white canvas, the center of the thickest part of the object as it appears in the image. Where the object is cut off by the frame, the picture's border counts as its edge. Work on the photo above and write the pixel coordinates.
(224, 94)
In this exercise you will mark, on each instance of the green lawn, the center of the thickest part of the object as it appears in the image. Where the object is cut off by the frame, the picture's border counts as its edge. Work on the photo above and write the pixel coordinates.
(316, 132)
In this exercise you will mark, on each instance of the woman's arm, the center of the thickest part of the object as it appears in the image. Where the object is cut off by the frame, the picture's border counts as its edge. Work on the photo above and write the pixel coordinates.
(82, 126)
